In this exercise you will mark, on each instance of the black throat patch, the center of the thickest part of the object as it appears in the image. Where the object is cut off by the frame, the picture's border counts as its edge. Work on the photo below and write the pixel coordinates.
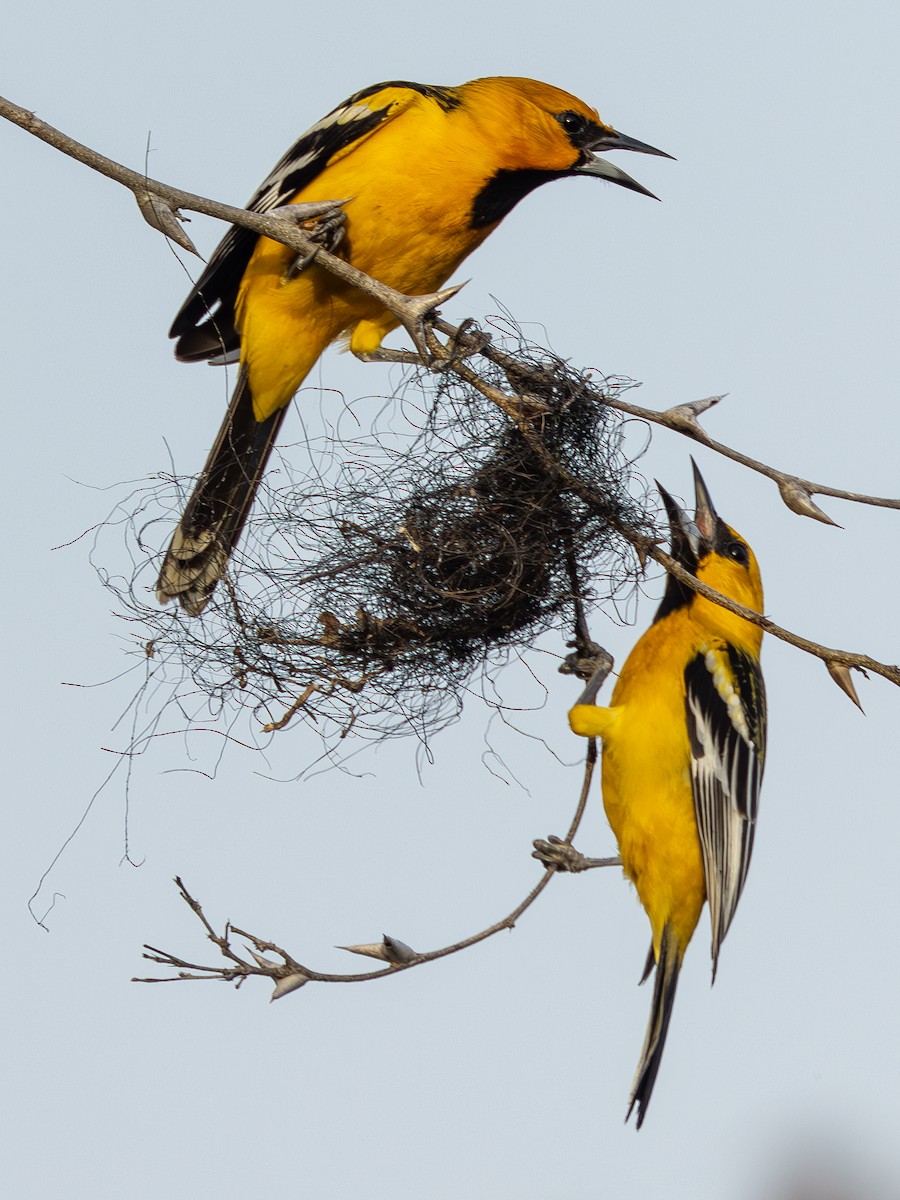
(501, 194)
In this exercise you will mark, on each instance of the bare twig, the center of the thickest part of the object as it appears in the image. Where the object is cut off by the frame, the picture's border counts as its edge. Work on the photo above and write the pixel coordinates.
(289, 974)
(154, 196)
(795, 491)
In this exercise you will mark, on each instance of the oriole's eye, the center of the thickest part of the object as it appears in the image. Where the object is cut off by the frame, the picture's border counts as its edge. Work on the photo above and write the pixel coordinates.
(572, 122)
(737, 551)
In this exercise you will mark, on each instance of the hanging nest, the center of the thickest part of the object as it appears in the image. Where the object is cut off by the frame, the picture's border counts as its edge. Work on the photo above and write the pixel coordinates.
(369, 596)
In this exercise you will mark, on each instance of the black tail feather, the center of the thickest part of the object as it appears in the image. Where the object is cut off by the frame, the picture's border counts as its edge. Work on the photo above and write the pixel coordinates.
(648, 966)
(664, 985)
(219, 505)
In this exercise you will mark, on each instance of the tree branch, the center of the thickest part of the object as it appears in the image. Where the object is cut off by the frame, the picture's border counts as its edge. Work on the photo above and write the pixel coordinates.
(682, 419)
(157, 198)
(288, 975)
(795, 491)
(154, 196)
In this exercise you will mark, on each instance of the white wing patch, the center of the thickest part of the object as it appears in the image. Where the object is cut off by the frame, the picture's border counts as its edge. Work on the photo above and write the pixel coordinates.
(281, 184)
(272, 193)
(352, 112)
(205, 325)
(726, 712)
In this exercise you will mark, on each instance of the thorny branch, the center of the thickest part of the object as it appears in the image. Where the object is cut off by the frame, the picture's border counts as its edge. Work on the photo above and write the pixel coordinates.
(795, 491)
(832, 658)
(289, 974)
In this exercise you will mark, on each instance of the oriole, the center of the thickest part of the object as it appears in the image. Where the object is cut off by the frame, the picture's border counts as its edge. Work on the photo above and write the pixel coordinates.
(428, 173)
(683, 748)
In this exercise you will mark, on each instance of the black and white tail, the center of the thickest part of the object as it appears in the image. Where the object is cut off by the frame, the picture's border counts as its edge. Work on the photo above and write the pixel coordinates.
(220, 503)
(664, 985)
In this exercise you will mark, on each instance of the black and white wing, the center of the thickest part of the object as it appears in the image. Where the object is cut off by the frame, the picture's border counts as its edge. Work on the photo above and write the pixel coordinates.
(725, 702)
(204, 325)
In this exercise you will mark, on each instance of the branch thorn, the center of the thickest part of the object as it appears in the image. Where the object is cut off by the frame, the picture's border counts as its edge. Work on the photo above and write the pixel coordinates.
(684, 416)
(166, 219)
(288, 983)
(388, 950)
(840, 673)
(798, 499)
(412, 311)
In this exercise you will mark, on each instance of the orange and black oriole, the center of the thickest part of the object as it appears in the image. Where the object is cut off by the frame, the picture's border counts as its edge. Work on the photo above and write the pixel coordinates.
(425, 174)
(684, 741)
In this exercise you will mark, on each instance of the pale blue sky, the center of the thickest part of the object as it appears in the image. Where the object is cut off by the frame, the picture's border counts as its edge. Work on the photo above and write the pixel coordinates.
(768, 271)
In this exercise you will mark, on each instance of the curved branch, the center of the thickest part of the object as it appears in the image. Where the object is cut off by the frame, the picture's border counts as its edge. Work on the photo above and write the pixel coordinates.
(289, 974)
(795, 491)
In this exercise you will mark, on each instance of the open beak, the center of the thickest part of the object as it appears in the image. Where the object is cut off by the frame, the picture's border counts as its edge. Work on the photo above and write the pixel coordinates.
(611, 139)
(691, 540)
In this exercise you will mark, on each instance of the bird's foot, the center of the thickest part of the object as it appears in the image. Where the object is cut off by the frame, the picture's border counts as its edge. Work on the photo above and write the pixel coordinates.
(562, 856)
(587, 658)
(416, 315)
(465, 341)
(323, 221)
(589, 662)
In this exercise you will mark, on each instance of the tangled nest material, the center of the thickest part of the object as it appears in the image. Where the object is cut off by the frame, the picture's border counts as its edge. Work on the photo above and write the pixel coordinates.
(370, 598)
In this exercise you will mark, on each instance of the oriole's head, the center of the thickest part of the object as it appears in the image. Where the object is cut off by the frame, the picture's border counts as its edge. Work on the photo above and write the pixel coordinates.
(537, 133)
(719, 557)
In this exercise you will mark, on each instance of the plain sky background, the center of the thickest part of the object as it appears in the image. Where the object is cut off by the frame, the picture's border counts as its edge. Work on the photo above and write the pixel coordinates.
(768, 271)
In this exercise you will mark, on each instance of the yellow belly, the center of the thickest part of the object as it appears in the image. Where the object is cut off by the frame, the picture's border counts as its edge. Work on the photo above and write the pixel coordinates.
(649, 804)
(647, 790)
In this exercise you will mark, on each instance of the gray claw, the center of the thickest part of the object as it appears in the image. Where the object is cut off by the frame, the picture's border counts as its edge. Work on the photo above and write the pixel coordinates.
(324, 223)
(562, 856)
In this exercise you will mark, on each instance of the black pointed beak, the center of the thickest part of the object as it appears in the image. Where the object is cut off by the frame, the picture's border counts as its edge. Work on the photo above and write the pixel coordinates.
(706, 519)
(685, 536)
(611, 139)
